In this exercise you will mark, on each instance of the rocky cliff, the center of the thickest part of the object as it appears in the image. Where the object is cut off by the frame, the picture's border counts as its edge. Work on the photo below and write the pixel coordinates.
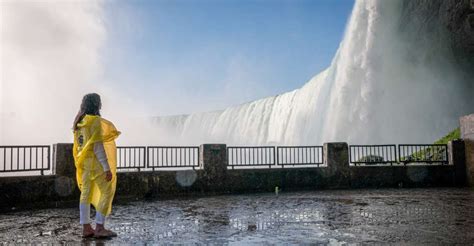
(442, 22)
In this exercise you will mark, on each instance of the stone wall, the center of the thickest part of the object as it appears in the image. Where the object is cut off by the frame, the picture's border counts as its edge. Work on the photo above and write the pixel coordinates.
(214, 177)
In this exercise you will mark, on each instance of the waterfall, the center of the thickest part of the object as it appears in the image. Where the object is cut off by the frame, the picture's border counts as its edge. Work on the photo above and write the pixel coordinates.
(384, 85)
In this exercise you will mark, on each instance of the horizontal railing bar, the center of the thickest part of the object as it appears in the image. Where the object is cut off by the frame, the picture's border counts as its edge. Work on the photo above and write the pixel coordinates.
(299, 164)
(297, 146)
(251, 147)
(173, 166)
(131, 147)
(25, 146)
(374, 162)
(382, 145)
(422, 145)
(23, 170)
(253, 165)
(426, 161)
(372, 145)
(177, 147)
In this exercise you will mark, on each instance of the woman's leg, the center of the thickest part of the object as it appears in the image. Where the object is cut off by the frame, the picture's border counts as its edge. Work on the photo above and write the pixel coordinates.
(99, 218)
(85, 206)
(105, 201)
(100, 230)
(85, 213)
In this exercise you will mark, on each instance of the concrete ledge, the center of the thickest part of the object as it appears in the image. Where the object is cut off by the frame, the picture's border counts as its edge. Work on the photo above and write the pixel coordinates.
(403, 176)
(36, 191)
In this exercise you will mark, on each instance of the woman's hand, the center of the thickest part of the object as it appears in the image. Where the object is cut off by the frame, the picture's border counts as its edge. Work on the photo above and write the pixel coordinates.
(108, 175)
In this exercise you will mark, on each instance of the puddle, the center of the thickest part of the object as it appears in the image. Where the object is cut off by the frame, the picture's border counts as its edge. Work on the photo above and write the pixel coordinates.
(413, 216)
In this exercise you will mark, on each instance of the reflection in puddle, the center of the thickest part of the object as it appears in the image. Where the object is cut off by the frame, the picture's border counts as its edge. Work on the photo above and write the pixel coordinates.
(274, 219)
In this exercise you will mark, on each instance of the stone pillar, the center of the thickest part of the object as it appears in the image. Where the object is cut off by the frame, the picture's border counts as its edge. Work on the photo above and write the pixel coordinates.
(457, 158)
(64, 169)
(213, 158)
(336, 156)
(467, 133)
(63, 161)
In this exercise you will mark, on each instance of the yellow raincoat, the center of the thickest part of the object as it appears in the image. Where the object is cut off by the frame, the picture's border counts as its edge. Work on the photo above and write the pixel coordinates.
(89, 172)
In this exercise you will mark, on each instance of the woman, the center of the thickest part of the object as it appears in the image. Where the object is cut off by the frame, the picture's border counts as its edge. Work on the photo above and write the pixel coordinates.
(95, 159)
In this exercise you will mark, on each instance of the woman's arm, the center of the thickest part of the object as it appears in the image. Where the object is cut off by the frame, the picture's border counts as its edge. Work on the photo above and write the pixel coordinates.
(101, 155)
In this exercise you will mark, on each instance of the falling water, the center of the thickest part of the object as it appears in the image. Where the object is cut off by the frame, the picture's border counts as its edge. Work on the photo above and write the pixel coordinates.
(384, 85)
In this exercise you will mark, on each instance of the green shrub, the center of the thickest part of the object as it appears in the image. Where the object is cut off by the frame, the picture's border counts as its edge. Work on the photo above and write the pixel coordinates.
(433, 154)
(454, 134)
(371, 159)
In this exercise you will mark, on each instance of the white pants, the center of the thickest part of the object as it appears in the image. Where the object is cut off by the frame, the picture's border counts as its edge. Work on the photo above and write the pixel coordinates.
(85, 215)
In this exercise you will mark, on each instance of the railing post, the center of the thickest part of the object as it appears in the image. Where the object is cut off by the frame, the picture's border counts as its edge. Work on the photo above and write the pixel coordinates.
(336, 157)
(213, 157)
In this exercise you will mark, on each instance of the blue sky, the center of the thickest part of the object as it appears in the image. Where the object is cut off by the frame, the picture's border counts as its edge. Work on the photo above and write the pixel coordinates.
(180, 56)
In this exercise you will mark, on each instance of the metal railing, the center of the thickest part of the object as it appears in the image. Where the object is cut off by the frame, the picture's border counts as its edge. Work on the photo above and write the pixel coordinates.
(299, 155)
(25, 158)
(37, 157)
(373, 154)
(251, 156)
(423, 153)
(173, 157)
(131, 157)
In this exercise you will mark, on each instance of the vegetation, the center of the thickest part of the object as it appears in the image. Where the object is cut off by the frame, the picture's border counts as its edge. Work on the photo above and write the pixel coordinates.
(434, 154)
(371, 159)
(454, 134)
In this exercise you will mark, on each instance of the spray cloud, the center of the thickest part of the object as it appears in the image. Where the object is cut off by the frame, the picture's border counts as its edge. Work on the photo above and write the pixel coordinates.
(49, 59)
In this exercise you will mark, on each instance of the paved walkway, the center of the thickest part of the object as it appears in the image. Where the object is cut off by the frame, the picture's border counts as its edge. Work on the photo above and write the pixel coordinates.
(414, 216)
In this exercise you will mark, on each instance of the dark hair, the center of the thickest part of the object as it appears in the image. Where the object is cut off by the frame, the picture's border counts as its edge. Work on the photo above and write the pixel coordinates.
(90, 105)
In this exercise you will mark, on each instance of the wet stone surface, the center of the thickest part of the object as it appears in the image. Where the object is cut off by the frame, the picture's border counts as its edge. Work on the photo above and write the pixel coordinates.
(414, 216)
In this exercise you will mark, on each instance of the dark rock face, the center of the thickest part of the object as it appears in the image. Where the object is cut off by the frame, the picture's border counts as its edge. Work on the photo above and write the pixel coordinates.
(458, 17)
(446, 25)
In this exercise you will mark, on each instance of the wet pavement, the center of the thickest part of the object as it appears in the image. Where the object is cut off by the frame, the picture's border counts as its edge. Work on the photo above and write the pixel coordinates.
(408, 216)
